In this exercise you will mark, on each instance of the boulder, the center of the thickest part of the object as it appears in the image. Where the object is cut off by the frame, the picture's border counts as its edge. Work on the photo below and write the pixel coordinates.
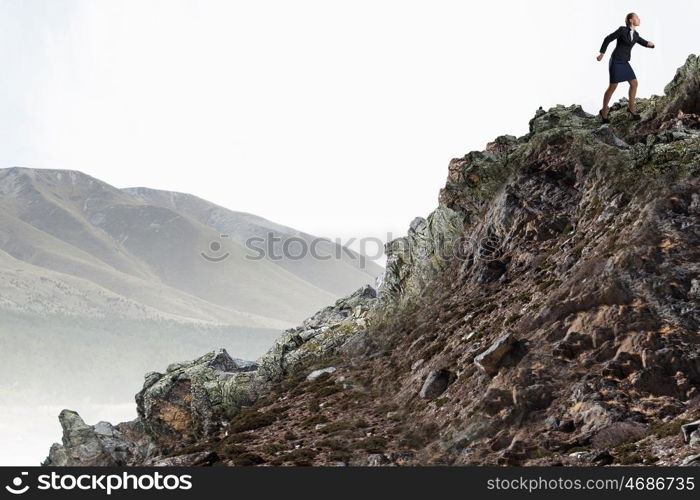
(490, 360)
(435, 384)
(192, 399)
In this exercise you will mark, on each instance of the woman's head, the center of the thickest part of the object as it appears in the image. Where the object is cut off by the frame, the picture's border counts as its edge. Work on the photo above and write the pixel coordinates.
(632, 19)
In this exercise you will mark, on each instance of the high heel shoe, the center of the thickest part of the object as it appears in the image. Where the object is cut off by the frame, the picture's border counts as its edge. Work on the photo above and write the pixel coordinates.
(606, 119)
(635, 116)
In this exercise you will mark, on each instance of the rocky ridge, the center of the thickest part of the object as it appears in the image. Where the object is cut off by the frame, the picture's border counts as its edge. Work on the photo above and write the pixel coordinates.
(546, 313)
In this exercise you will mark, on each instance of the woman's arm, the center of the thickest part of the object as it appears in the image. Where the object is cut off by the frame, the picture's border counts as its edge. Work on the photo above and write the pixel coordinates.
(641, 41)
(606, 41)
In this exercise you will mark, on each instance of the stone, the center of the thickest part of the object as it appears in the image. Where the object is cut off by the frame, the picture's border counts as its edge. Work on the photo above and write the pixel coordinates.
(317, 373)
(87, 445)
(691, 460)
(694, 439)
(337, 328)
(489, 361)
(194, 398)
(435, 384)
(413, 258)
(688, 429)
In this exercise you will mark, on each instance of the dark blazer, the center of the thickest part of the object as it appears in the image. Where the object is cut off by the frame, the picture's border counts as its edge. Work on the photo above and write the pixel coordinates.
(623, 48)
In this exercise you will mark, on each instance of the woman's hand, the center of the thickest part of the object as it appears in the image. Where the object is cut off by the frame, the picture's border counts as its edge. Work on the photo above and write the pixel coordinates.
(650, 45)
(599, 57)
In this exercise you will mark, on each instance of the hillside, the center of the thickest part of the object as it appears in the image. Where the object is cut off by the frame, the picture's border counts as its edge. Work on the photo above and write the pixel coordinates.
(546, 313)
(338, 275)
(145, 252)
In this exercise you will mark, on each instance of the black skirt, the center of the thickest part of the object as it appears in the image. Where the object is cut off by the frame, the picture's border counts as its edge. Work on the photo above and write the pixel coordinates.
(620, 71)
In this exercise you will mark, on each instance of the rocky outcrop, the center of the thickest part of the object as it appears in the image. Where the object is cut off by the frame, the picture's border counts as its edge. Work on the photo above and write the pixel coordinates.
(414, 258)
(545, 313)
(336, 328)
(101, 444)
(679, 107)
(192, 399)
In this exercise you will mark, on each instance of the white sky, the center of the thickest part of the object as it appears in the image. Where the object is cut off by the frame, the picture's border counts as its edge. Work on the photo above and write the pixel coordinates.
(337, 118)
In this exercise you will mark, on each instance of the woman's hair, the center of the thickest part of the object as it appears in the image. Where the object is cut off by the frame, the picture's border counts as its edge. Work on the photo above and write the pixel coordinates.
(629, 17)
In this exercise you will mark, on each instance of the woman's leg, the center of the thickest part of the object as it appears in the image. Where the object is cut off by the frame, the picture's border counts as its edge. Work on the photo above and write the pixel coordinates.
(633, 94)
(606, 97)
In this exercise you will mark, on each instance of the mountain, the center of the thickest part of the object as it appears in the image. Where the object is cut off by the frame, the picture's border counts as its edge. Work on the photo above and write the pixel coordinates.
(153, 255)
(547, 312)
(338, 275)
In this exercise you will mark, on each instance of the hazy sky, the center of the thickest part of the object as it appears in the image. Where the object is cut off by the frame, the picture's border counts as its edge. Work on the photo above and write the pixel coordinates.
(337, 118)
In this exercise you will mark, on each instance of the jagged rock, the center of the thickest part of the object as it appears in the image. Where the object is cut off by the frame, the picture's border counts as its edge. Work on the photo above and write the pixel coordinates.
(681, 94)
(691, 460)
(317, 373)
(435, 384)
(98, 445)
(489, 360)
(192, 399)
(694, 439)
(331, 329)
(416, 256)
(689, 429)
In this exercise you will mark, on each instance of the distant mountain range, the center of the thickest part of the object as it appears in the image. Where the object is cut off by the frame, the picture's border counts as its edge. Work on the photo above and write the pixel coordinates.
(73, 244)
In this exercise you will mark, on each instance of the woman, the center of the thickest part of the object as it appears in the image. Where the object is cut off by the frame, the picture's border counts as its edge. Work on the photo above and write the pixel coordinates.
(619, 67)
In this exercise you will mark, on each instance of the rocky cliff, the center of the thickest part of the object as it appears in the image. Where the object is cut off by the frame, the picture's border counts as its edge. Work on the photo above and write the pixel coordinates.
(545, 313)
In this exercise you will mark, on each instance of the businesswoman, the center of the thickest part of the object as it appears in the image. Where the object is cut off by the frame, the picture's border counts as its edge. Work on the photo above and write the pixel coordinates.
(619, 66)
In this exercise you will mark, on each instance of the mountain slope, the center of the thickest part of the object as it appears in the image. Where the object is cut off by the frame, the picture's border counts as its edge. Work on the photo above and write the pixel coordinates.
(74, 224)
(546, 313)
(336, 269)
